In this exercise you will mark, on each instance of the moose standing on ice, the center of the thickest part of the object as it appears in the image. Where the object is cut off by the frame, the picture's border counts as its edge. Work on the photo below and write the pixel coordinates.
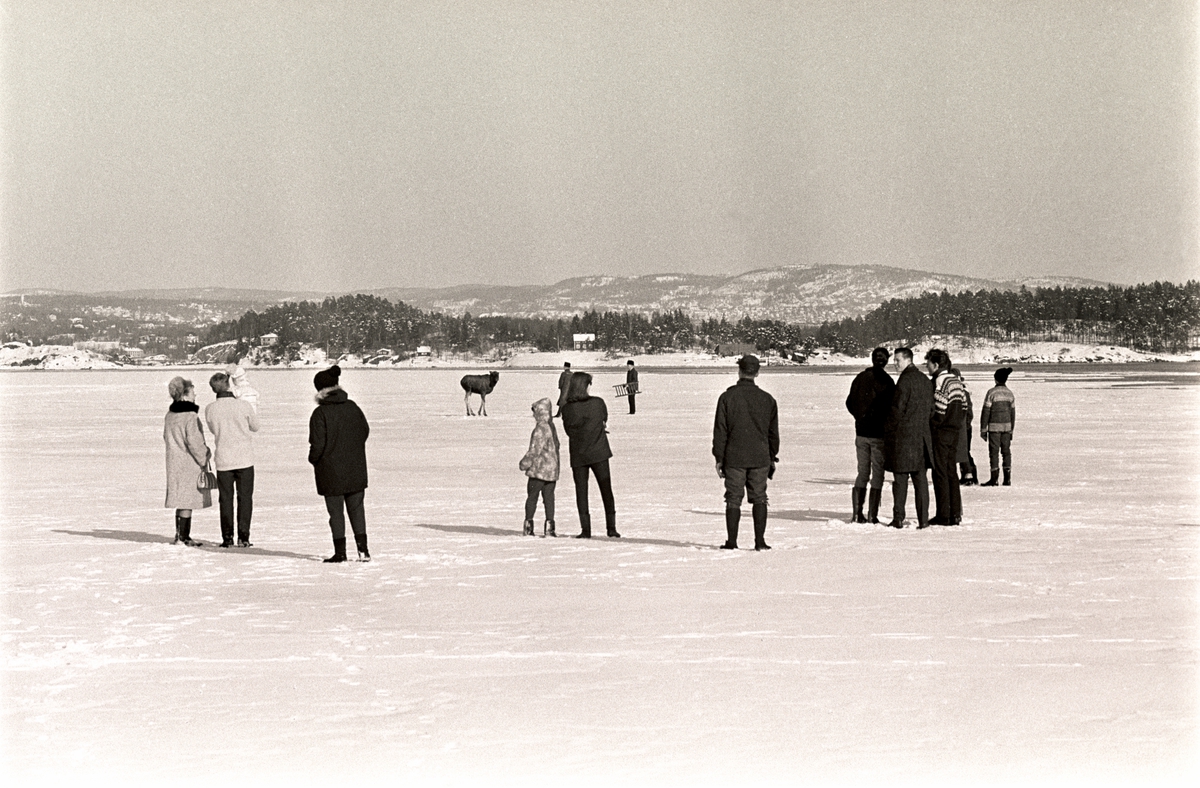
(481, 385)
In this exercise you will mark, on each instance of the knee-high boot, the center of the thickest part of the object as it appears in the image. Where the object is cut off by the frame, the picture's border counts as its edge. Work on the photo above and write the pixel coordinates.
(857, 497)
(339, 552)
(732, 518)
(760, 527)
(360, 541)
(873, 505)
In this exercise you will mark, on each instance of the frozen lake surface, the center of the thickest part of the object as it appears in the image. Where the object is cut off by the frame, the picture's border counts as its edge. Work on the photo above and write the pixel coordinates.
(1052, 635)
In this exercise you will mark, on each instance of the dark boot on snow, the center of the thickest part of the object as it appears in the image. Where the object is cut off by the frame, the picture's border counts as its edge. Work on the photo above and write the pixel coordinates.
(548, 528)
(1008, 477)
(873, 505)
(857, 497)
(183, 531)
(732, 518)
(760, 526)
(360, 541)
(339, 552)
(992, 481)
(527, 529)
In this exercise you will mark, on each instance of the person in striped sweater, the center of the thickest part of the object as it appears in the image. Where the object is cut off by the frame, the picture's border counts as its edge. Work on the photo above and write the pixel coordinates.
(945, 424)
(996, 424)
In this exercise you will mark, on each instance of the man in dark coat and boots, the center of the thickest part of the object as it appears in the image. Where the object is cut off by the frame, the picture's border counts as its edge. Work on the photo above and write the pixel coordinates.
(869, 401)
(631, 385)
(907, 444)
(746, 447)
(564, 382)
(337, 439)
(945, 427)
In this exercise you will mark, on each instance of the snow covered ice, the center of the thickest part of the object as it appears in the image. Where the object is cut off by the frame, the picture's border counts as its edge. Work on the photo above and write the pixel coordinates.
(1052, 635)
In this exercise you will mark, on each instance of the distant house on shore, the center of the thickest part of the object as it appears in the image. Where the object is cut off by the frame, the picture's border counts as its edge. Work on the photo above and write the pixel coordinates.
(584, 341)
(735, 349)
(269, 340)
(424, 351)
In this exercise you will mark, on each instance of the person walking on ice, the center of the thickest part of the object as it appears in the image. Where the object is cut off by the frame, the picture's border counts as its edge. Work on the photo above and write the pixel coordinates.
(564, 382)
(868, 402)
(996, 423)
(541, 465)
(337, 441)
(746, 448)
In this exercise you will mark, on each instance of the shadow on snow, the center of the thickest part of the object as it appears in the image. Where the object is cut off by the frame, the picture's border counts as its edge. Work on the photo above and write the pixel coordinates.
(149, 538)
(485, 531)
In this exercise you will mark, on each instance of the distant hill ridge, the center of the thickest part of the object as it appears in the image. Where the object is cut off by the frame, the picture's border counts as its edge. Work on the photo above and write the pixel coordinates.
(795, 294)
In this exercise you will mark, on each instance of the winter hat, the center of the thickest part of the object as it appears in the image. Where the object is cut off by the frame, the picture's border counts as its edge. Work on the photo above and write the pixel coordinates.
(1002, 374)
(327, 378)
(237, 374)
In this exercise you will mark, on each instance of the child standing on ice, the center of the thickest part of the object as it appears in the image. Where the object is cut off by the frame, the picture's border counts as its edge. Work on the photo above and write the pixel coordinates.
(241, 388)
(540, 464)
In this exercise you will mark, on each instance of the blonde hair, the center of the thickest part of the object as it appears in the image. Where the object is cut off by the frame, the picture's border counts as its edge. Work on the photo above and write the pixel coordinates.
(178, 387)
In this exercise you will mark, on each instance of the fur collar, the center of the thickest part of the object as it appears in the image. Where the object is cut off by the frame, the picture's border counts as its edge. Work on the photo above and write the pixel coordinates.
(184, 407)
(330, 396)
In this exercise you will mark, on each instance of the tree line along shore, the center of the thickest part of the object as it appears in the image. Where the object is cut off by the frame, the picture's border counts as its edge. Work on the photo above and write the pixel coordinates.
(1159, 318)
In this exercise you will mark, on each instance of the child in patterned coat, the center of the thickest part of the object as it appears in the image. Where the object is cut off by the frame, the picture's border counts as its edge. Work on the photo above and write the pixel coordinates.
(540, 464)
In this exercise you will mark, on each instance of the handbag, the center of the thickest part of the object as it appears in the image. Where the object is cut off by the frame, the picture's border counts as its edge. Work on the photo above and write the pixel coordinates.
(207, 480)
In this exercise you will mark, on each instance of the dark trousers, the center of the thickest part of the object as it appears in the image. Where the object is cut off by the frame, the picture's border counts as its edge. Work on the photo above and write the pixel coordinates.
(749, 481)
(946, 491)
(353, 503)
(998, 446)
(243, 480)
(604, 479)
(546, 490)
(900, 495)
(633, 403)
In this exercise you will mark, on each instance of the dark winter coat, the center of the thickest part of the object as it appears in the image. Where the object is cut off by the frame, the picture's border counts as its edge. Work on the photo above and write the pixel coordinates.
(870, 400)
(186, 455)
(337, 440)
(631, 380)
(907, 444)
(564, 382)
(746, 427)
(584, 422)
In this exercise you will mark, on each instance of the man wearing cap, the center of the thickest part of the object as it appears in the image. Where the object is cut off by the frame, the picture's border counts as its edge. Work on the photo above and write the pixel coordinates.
(746, 447)
(996, 424)
(564, 382)
(631, 385)
(337, 439)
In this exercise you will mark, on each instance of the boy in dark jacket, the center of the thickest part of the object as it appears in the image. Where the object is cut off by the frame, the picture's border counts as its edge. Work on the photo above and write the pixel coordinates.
(746, 447)
(868, 402)
(337, 439)
(907, 445)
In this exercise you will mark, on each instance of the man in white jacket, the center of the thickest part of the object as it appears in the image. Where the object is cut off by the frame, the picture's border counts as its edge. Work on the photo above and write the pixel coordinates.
(232, 421)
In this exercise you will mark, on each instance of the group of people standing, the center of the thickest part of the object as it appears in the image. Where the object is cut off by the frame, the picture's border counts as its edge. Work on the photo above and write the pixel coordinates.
(907, 426)
(917, 423)
(337, 437)
(745, 445)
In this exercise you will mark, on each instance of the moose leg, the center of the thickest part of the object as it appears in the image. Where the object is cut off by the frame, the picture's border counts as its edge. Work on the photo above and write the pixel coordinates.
(482, 404)
(467, 402)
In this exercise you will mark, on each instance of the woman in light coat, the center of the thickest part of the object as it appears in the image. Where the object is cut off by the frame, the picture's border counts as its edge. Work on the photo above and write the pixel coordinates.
(187, 454)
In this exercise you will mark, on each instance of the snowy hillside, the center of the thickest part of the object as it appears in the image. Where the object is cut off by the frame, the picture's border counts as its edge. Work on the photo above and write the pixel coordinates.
(795, 294)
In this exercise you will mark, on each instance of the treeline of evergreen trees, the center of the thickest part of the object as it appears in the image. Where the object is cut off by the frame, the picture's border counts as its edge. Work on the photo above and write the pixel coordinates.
(1156, 317)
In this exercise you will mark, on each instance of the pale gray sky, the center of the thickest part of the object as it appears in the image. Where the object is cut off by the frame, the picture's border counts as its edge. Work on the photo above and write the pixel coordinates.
(333, 146)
